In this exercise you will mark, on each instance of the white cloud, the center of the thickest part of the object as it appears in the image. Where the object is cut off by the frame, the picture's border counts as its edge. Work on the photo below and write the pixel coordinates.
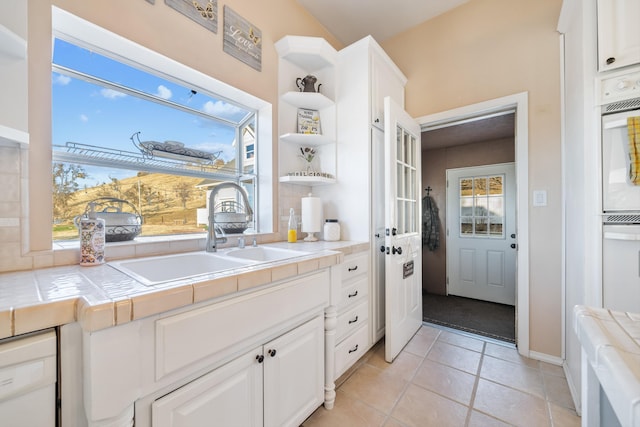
(62, 80)
(84, 118)
(111, 94)
(164, 92)
(219, 108)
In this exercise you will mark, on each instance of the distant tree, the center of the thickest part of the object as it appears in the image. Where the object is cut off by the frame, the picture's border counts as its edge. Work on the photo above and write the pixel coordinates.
(65, 183)
(183, 192)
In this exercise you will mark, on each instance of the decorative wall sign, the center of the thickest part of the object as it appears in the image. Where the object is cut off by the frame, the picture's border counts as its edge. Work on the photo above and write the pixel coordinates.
(242, 40)
(204, 12)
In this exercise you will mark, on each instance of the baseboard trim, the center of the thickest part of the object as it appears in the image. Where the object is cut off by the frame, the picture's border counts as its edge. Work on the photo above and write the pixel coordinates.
(543, 357)
(575, 392)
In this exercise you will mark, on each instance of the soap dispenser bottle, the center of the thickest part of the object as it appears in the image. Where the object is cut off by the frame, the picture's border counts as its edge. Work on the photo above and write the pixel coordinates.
(92, 238)
(292, 234)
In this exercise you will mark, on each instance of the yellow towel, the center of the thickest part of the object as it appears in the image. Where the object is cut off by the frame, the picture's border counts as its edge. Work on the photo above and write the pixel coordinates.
(633, 127)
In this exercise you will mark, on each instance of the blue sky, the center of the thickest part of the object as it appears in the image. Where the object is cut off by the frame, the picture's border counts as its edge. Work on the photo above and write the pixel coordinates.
(91, 114)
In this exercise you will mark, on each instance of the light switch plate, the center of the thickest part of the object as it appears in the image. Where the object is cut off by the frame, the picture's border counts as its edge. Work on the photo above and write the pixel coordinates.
(539, 198)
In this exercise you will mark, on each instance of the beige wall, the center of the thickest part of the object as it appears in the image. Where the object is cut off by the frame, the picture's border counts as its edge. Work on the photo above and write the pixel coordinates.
(25, 202)
(484, 50)
(435, 163)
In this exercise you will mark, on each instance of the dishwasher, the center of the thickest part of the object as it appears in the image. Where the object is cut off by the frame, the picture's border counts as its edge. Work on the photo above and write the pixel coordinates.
(28, 380)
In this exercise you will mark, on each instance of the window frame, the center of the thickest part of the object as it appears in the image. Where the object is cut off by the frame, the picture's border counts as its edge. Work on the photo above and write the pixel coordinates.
(85, 34)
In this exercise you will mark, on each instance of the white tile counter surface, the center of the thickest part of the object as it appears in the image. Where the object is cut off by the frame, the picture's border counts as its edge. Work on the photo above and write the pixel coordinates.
(611, 343)
(100, 296)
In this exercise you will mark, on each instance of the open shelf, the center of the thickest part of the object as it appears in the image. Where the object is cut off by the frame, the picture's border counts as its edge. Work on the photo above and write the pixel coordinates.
(307, 139)
(310, 100)
(307, 180)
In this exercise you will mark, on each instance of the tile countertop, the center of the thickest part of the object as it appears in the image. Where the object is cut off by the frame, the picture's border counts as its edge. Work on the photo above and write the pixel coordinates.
(100, 296)
(611, 343)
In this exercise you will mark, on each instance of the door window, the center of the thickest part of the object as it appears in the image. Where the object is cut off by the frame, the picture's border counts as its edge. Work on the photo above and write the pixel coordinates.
(482, 206)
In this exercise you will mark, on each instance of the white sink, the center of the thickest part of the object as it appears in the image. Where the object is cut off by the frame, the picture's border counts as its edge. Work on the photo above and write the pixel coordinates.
(264, 253)
(160, 269)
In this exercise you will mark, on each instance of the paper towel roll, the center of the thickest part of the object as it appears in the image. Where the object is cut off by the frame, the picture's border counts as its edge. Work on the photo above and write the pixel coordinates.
(311, 214)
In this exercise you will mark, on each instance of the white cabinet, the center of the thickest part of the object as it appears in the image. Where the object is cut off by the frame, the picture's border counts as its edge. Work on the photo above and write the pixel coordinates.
(365, 75)
(300, 57)
(352, 332)
(277, 384)
(618, 33)
(14, 71)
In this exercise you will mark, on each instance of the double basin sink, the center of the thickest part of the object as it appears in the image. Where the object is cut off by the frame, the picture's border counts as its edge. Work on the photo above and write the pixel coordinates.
(160, 269)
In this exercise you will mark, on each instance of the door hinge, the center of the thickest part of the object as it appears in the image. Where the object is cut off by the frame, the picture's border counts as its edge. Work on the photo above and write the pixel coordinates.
(447, 280)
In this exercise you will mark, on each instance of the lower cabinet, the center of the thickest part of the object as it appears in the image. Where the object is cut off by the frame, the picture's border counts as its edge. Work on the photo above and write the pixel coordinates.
(352, 330)
(277, 384)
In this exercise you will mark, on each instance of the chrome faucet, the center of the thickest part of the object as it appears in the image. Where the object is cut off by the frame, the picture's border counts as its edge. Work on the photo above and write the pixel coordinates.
(212, 237)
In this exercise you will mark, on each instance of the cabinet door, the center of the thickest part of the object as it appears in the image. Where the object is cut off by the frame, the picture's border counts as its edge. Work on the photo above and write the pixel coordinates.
(383, 83)
(228, 396)
(618, 33)
(294, 375)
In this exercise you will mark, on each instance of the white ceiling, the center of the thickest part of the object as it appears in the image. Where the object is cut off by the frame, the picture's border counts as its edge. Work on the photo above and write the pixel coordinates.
(351, 20)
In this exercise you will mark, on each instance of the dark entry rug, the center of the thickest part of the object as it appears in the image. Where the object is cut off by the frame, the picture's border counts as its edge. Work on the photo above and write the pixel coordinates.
(484, 318)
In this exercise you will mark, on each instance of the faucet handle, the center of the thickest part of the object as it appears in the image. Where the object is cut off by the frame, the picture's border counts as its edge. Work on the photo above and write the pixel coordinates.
(255, 241)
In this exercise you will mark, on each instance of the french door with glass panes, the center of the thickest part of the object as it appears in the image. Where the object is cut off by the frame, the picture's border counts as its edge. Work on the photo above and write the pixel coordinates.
(403, 243)
(481, 239)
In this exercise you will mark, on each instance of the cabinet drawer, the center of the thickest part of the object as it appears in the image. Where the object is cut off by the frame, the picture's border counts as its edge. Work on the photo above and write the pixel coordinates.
(354, 265)
(351, 349)
(353, 292)
(352, 319)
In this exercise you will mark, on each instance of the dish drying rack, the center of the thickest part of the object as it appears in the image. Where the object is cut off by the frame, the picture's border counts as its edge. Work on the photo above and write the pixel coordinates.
(75, 152)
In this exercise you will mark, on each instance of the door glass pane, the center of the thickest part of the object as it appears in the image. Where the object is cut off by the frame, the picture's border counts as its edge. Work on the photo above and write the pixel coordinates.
(399, 144)
(495, 185)
(495, 226)
(480, 186)
(400, 205)
(399, 181)
(481, 226)
(496, 206)
(466, 225)
(466, 187)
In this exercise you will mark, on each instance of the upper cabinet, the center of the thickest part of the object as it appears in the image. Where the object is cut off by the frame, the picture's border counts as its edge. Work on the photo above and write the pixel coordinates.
(306, 110)
(618, 33)
(14, 71)
(386, 80)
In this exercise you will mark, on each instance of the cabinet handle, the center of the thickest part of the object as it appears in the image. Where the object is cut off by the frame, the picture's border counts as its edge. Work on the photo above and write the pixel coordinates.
(271, 352)
(353, 269)
(353, 294)
(353, 349)
(611, 60)
(354, 320)
(260, 358)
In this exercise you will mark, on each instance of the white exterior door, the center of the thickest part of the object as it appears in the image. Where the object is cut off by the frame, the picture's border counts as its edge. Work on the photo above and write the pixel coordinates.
(481, 239)
(403, 245)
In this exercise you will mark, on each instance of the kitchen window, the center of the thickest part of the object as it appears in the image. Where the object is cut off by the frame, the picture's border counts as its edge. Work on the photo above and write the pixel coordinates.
(147, 134)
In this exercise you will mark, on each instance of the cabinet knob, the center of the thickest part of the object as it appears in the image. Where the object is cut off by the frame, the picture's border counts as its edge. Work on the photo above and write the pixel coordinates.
(610, 60)
(272, 352)
(353, 269)
(260, 358)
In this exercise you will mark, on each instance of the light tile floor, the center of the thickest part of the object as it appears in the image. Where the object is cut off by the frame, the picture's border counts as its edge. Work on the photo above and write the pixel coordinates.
(444, 378)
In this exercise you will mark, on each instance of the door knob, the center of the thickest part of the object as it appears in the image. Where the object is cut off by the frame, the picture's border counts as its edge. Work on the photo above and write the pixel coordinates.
(397, 250)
